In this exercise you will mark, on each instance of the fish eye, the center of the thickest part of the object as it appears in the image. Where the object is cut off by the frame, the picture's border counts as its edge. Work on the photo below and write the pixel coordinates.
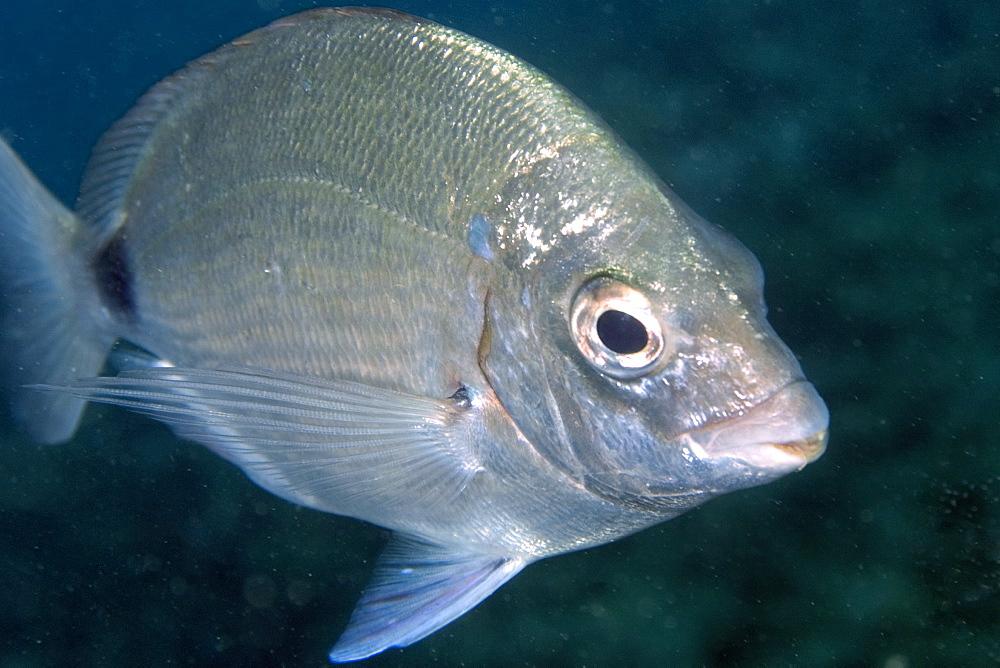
(614, 328)
(622, 333)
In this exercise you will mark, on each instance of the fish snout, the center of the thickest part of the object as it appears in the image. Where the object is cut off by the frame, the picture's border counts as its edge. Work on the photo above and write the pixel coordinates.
(777, 436)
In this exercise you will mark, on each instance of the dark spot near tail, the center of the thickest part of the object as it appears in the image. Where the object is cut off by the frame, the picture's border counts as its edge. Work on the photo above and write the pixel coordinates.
(114, 277)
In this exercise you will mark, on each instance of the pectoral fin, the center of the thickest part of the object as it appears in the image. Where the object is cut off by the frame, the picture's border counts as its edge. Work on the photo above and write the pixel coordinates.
(416, 589)
(337, 446)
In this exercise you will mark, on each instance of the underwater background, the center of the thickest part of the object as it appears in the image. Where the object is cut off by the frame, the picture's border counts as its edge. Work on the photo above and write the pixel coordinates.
(853, 146)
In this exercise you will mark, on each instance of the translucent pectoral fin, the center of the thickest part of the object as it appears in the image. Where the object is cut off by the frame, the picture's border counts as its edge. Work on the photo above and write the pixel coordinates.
(337, 446)
(416, 589)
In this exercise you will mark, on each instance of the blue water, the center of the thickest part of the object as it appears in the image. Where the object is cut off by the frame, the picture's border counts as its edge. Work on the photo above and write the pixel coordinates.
(852, 146)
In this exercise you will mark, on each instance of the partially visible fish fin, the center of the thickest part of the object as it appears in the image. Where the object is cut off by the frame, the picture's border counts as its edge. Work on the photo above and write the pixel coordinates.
(417, 588)
(125, 356)
(117, 155)
(49, 303)
(119, 152)
(337, 446)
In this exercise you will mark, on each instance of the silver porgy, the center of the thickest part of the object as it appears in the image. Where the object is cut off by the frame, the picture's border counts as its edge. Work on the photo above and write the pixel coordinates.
(394, 273)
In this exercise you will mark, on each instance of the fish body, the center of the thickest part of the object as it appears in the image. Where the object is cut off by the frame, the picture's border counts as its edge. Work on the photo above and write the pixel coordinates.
(394, 273)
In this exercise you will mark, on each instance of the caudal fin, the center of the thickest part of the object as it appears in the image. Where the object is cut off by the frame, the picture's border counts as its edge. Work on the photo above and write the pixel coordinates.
(48, 304)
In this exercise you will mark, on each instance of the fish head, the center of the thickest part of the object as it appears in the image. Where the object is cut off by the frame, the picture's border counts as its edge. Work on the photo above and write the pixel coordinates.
(638, 357)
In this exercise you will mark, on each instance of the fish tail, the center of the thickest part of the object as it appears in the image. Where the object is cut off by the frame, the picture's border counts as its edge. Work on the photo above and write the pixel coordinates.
(49, 304)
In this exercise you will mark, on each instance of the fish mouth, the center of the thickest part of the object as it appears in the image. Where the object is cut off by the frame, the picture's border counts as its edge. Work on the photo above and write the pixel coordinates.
(809, 448)
(780, 435)
(783, 433)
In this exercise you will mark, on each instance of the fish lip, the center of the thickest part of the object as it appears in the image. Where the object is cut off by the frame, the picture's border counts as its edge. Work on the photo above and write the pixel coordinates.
(786, 431)
(809, 448)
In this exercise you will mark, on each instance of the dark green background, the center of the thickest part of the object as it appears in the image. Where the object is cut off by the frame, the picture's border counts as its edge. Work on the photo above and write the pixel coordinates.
(853, 146)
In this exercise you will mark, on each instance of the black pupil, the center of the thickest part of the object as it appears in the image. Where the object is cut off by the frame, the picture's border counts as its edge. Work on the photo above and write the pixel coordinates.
(621, 333)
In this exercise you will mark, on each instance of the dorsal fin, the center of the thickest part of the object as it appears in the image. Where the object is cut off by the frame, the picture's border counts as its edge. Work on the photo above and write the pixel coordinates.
(120, 150)
(117, 153)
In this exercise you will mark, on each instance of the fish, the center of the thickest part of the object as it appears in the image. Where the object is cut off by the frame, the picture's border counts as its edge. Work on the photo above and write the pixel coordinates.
(395, 273)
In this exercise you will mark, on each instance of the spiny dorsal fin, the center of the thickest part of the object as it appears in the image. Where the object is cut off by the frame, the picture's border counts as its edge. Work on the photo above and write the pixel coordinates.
(120, 150)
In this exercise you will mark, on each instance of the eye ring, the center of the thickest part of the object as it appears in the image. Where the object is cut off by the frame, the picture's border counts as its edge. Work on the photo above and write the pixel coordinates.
(615, 329)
